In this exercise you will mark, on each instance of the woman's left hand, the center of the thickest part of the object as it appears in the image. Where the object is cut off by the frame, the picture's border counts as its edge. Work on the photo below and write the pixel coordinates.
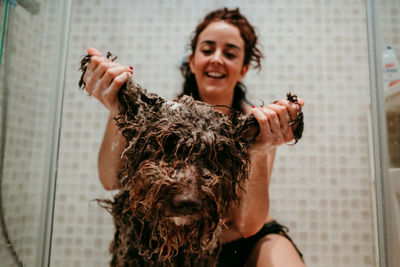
(275, 123)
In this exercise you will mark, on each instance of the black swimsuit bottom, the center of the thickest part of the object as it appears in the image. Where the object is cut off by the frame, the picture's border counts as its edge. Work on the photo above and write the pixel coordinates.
(236, 253)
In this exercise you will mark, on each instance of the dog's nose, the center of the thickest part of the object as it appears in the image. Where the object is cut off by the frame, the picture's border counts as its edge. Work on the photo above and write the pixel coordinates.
(186, 204)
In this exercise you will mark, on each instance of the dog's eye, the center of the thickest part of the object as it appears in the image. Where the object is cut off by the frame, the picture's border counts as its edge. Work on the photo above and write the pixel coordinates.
(169, 143)
(206, 174)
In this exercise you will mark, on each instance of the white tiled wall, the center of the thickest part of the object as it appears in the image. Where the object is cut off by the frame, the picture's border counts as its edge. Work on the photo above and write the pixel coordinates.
(314, 48)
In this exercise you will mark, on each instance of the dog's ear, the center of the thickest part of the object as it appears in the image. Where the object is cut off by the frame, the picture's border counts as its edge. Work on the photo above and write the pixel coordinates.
(84, 63)
(247, 129)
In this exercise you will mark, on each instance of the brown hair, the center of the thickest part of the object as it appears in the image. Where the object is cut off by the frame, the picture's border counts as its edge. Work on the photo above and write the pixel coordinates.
(252, 52)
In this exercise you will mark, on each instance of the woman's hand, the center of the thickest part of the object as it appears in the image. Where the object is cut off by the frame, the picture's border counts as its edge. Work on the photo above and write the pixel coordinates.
(104, 78)
(275, 123)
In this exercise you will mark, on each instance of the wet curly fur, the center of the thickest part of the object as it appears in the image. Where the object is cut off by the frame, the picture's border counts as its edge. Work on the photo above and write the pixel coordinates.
(181, 168)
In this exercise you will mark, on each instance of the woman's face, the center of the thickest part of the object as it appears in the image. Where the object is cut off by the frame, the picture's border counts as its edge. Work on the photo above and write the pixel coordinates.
(217, 62)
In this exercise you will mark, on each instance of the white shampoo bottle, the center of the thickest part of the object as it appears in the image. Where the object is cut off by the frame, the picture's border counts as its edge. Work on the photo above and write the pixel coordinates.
(391, 72)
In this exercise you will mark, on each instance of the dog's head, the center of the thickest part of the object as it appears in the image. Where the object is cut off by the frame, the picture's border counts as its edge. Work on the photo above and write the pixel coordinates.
(182, 166)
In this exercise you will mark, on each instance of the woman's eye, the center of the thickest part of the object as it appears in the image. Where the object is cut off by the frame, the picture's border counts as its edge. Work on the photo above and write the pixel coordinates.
(206, 51)
(230, 55)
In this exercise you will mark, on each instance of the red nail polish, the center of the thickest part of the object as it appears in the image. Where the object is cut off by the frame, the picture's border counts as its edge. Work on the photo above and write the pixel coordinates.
(252, 106)
(131, 67)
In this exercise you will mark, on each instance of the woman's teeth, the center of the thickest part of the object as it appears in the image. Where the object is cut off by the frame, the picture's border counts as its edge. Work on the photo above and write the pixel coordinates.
(215, 75)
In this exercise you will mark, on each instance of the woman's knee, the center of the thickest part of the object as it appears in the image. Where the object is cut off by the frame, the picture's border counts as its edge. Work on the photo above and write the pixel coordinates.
(275, 250)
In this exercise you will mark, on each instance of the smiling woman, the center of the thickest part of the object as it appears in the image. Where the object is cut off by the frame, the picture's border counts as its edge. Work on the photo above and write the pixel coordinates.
(320, 188)
(223, 47)
(218, 63)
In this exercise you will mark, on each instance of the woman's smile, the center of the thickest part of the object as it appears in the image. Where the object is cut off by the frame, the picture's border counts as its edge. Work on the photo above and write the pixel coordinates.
(215, 75)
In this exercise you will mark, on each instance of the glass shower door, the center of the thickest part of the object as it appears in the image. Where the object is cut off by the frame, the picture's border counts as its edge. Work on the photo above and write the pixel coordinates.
(384, 39)
(31, 86)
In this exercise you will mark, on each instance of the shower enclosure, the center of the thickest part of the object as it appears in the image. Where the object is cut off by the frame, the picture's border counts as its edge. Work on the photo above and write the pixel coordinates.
(384, 31)
(342, 204)
(33, 49)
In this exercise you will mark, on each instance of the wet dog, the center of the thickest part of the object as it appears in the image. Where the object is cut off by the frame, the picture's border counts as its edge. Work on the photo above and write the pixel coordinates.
(182, 167)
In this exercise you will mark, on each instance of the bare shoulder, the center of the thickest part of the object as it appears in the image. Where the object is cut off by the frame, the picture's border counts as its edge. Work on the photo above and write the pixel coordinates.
(274, 250)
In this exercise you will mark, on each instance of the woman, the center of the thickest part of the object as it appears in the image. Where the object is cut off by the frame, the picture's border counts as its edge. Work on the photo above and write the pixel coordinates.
(223, 47)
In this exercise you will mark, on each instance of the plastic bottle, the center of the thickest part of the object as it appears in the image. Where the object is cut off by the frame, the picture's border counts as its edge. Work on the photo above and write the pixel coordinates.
(391, 71)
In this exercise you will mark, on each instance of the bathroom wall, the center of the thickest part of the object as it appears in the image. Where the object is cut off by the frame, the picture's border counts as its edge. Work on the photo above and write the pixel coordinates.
(321, 187)
(28, 132)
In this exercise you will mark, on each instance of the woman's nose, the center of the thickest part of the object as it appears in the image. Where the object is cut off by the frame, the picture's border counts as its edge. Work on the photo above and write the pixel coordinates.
(217, 57)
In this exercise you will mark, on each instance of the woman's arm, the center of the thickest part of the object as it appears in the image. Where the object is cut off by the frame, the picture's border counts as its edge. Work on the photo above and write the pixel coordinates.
(109, 159)
(103, 79)
(253, 210)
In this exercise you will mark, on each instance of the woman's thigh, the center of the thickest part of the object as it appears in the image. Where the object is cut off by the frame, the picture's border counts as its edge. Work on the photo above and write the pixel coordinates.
(274, 250)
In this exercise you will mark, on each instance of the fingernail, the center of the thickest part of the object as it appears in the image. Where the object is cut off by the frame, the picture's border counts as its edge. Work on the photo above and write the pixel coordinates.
(131, 67)
(252, 106)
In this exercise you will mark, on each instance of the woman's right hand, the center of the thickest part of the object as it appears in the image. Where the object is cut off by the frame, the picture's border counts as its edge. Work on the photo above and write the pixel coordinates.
(104, 79)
